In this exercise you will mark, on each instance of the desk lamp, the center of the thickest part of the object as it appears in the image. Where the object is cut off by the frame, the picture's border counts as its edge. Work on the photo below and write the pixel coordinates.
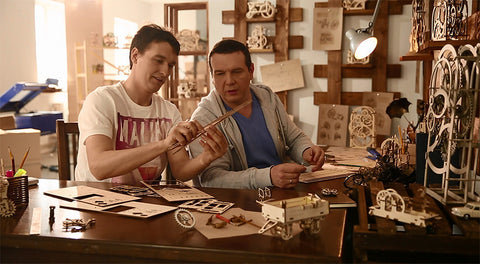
(362, 43)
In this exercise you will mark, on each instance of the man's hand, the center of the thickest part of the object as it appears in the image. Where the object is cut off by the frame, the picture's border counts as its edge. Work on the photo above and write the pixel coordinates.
(286, 175)
(183, 132)
(214, 145)
(315, 156)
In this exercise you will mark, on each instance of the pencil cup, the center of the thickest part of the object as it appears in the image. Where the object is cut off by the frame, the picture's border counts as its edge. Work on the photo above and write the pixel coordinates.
(18, 190)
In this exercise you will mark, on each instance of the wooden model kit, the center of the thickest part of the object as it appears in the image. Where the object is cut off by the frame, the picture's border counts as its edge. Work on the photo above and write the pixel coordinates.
(132, 209)
(93, 199)
(258, 39)
(77, 225)
(362, 127)
(7, 206)
(308, 211)
(176, 192)
(92, 196)
(392, 206)
(207, 206)
(184, 218)
(354, 4)
(265, 9)
(453, 102)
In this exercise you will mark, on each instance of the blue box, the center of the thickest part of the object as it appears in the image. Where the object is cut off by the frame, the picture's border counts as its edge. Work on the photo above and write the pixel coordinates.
(43, 121)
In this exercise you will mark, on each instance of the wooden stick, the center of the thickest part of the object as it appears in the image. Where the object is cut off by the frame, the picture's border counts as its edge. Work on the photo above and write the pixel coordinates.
(3, 167)
(212, 124)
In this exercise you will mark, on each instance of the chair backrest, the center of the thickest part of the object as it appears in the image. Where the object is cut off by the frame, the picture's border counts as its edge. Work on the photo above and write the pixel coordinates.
(67, 138)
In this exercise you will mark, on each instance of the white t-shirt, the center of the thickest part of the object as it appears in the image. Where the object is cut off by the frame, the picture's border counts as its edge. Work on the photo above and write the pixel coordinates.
(109, 111)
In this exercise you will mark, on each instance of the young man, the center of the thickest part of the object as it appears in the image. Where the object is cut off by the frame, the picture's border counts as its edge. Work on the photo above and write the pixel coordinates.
(261, 136)
(126, 129)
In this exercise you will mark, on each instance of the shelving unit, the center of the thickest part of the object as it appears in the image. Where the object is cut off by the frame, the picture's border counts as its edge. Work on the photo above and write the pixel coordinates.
(378, 70)
(282, 41)
(171, 16)
(426, 50)
(86, 78)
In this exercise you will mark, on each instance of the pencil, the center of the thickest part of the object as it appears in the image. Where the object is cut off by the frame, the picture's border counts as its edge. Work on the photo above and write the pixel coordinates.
(24, 158)
(12, 159)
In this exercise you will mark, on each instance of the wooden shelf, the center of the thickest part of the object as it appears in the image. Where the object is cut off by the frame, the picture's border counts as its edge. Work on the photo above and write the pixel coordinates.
(261, 50)
(413, 56)
(260, 20)
(437, 45)
(193, 52)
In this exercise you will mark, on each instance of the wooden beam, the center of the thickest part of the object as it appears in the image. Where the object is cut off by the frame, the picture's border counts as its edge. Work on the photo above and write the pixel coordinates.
(394, 8)
(334, 74)
(357, 71)
(228, 17)
(282, 30)
(348, 98)
(295, 42)
(296, 14)
(380, 31)
(240, 32)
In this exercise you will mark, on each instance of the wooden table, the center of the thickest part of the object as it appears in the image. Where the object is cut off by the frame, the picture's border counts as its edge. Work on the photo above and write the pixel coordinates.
(123, 239)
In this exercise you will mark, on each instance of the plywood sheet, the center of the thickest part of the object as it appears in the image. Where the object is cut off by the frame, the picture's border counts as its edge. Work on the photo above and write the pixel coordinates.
(379, 102)
(283, 76)
(327, 28)
(332, 125)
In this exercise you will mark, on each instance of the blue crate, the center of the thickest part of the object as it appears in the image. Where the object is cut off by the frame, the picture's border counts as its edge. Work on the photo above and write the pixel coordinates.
(43, 121)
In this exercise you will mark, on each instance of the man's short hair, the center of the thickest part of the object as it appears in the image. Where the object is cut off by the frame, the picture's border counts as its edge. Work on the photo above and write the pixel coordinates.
(227, 46)
(152, 33)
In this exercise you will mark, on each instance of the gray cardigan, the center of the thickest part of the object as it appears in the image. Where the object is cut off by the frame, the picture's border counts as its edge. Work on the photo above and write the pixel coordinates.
(231, 170)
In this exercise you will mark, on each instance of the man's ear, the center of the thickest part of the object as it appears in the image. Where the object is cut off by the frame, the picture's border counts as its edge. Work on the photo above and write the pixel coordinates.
(134, 55)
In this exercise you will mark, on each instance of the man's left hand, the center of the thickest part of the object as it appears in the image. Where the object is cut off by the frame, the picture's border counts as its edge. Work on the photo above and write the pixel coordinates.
(315, 156)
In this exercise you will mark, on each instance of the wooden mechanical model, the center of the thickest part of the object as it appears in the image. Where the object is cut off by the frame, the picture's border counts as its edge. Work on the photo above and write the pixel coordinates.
(392, 206)
(308, 211)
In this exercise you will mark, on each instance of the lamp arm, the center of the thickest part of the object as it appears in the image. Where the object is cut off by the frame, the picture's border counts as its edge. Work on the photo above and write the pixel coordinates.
(374, 18)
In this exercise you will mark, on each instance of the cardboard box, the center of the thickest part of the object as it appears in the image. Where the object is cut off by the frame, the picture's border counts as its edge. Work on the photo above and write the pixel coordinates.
(7, 121)
(19, 140)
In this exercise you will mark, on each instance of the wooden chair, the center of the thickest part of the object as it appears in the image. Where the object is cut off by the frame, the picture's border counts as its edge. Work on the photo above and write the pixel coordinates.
(67, 138)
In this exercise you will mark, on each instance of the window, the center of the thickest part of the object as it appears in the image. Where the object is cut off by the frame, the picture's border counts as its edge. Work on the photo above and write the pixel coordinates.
(51, 41)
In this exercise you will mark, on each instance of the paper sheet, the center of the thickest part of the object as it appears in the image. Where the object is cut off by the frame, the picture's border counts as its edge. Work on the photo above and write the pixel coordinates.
(230, 230)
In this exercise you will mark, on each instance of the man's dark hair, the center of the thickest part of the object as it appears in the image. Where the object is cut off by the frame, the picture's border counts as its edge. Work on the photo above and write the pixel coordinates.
(152, 33)
(229, 46)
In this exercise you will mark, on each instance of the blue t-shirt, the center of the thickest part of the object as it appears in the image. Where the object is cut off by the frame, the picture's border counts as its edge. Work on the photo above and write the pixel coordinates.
(257, 141)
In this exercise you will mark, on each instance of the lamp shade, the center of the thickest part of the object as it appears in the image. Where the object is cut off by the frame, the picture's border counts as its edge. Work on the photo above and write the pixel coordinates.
(361, 43)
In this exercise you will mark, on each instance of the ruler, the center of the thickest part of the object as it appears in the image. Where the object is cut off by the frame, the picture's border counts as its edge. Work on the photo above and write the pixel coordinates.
(36, 225)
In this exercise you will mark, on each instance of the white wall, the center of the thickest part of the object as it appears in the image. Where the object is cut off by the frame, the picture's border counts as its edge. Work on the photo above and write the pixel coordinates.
(17, 49)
